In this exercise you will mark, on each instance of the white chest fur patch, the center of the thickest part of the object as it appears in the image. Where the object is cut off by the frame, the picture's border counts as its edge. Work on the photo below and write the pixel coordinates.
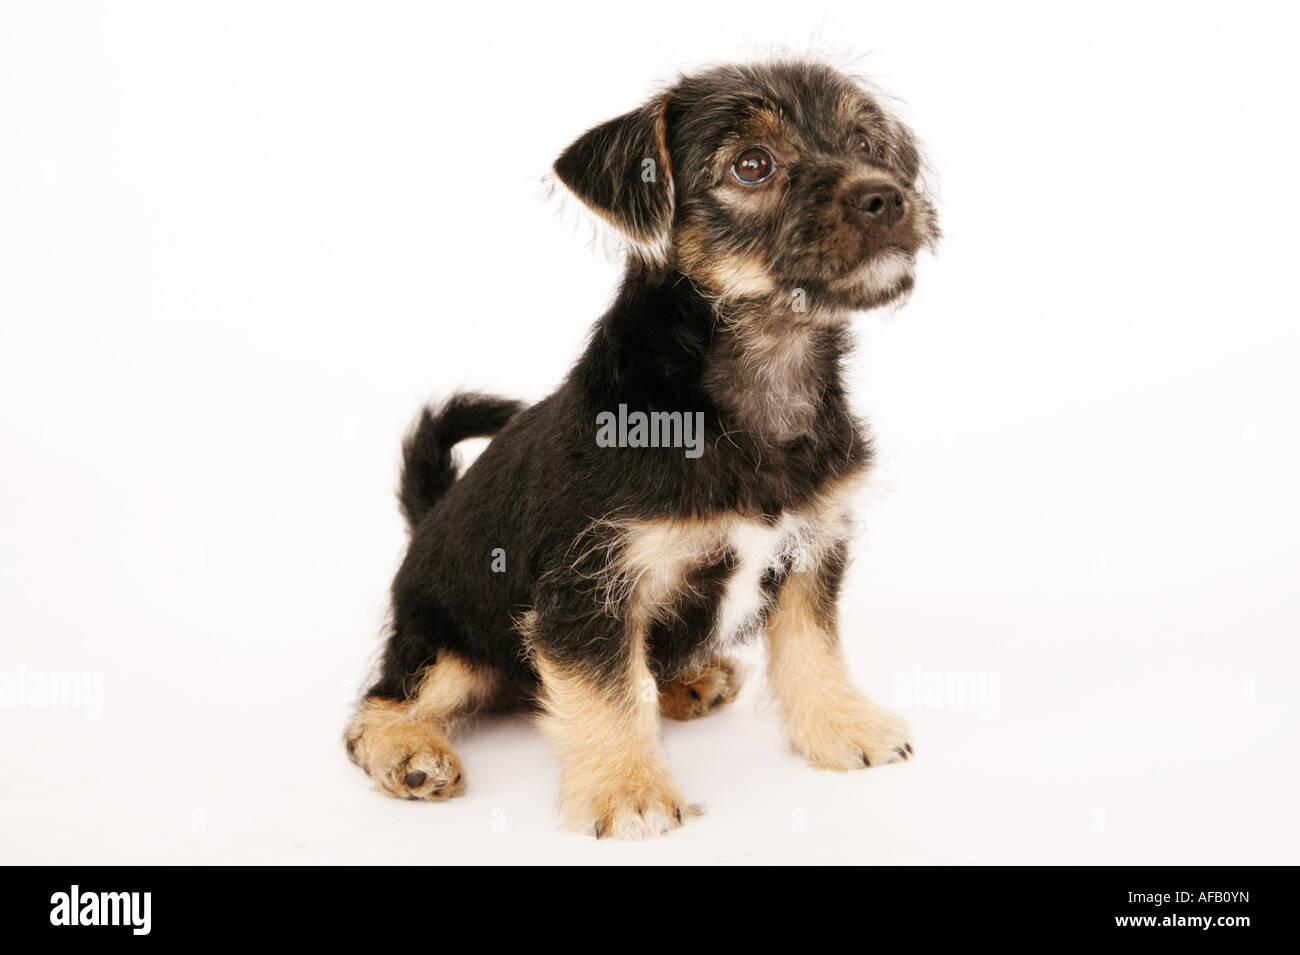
(759, 549)
(642, 567)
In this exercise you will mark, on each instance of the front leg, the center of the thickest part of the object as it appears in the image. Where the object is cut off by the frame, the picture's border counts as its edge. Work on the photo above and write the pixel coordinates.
(604, 723)
(828, 719)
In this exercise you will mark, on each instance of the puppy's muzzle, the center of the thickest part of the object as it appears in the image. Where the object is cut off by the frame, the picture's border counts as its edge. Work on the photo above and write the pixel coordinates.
(876, 204)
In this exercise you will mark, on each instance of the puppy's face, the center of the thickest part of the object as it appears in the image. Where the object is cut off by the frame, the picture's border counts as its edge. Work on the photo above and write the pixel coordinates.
(777, 183)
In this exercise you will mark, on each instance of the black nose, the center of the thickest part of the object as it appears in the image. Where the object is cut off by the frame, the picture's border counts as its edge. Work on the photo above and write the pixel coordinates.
(877, 203)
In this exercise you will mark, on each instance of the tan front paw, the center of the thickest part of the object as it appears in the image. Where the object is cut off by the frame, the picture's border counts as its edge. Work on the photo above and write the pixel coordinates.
(854, 736)
(702, 692)
(628, 808)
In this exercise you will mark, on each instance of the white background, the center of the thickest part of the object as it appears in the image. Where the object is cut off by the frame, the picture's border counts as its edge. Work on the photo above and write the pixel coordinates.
(240, 245)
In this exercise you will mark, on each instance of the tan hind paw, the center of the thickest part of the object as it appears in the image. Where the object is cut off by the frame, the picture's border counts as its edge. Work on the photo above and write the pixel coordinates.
(405, 758)
(700, 693)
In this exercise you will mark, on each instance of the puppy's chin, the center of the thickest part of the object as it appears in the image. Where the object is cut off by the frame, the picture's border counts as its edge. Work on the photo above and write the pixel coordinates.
(881, 280)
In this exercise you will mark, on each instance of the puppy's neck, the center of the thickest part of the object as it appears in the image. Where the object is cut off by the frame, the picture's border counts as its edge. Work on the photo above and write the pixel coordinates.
(767, 371)
(770, 368)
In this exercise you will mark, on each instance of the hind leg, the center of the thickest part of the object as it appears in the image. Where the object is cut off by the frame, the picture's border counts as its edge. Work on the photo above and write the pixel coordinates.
(403, 744)
(702, 691)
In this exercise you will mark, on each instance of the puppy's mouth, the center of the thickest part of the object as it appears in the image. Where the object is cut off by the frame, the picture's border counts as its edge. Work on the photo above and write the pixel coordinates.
(853, 267)
(878, 280)
(880, 272)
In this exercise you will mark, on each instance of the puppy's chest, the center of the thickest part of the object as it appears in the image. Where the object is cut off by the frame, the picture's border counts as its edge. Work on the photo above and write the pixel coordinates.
(758, 557)
(713, 580)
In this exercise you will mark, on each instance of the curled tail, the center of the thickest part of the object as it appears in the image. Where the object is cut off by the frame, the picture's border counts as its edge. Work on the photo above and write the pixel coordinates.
(428, 469)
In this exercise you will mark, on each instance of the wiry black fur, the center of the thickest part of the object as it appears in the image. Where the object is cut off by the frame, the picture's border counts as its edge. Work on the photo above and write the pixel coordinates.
(543, 490)
(543, 480)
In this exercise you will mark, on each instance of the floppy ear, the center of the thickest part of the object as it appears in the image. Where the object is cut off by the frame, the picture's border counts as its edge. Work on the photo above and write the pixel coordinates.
(621, 169)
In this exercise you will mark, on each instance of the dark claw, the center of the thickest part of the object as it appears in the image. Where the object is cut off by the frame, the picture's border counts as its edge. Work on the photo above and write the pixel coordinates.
(909, 747)
(677, 813)
(600, 829)
(717, 700)
(901, 752)
(695, 694)
(865, 760)
(456, 781)
(415, 778)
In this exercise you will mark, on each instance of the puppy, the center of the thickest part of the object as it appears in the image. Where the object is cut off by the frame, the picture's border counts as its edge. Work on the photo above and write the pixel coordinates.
(688, 485)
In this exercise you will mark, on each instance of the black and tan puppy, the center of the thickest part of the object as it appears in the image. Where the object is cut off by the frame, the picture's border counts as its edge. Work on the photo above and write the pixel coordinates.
(688, 485)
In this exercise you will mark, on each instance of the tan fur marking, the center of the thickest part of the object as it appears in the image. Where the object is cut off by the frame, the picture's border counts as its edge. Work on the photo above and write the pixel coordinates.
(657, 554)
(833, 504)
(614, 779)
(738, 276)
(639, 563)
(643, 563)
(829, 721)
(702, 691)
(661, 139)
(734, 276)
(723, 276)
(403, 745)
(453, 688)
(767, 122)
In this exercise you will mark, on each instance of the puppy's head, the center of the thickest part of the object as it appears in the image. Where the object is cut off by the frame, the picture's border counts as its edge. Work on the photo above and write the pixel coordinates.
(779, 182)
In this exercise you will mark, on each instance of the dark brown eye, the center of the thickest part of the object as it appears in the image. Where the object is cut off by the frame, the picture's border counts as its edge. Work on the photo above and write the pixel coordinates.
(863, 144)
(753, 165)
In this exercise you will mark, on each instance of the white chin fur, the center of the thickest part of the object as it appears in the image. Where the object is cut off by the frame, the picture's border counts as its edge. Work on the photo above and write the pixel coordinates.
(882, 273)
